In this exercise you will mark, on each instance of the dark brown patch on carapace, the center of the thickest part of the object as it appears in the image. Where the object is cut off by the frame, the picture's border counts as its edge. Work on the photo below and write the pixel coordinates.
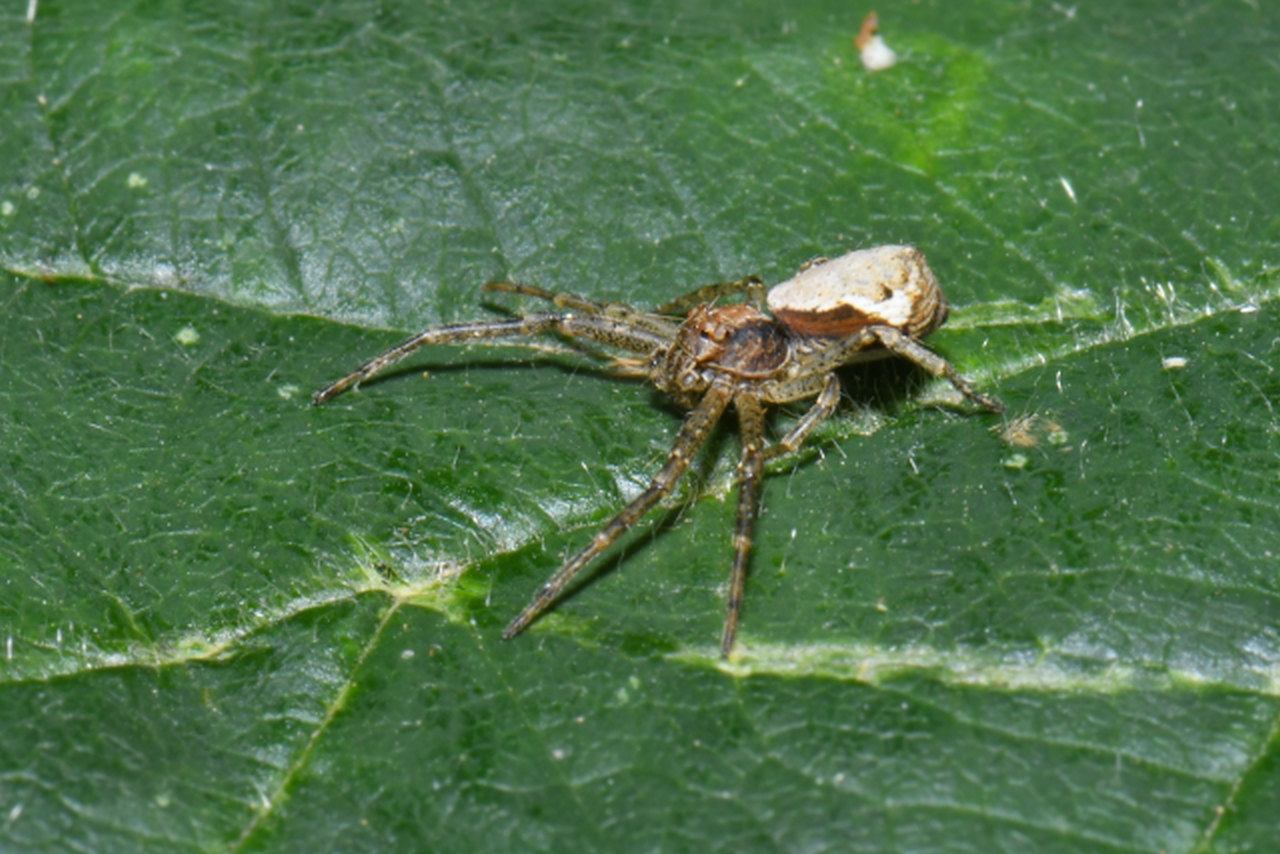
(737, 339)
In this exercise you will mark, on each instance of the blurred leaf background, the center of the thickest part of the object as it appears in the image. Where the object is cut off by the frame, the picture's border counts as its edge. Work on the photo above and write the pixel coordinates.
(231, 622)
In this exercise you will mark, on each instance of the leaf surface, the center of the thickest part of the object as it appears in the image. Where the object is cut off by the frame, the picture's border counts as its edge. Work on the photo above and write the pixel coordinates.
(234, 622)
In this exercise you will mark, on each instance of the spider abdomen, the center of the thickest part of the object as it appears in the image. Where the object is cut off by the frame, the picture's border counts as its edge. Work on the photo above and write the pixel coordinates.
(886, 285)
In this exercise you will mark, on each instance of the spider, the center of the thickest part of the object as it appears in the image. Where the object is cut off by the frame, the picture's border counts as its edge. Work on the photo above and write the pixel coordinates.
(864, 305)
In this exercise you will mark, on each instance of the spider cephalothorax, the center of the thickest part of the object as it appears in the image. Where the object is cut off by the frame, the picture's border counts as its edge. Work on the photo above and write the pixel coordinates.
(863, 305)
(738, 340)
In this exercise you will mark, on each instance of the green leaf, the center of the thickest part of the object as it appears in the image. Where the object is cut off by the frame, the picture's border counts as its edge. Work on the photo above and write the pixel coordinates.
(234, 622)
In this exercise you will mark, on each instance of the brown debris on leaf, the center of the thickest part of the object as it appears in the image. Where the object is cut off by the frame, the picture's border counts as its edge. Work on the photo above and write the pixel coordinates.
(875, 54)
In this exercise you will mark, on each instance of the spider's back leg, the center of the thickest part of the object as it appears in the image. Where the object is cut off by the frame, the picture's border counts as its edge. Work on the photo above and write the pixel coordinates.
(877, 341)
(901, 344)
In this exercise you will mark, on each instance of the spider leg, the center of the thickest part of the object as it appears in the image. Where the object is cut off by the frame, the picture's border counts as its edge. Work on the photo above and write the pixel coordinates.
(621, 312)
(861, 346)
(613, 332)
(751, 418)
(752, 286)
(629, 367)
(693, 432)
(572, 301)
(828, 399)
(909, 348)
(750, 471)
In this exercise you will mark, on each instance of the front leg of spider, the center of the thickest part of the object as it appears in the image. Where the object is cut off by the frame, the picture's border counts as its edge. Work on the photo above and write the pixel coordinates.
(750, 472)
(693, 433)
(637, 332)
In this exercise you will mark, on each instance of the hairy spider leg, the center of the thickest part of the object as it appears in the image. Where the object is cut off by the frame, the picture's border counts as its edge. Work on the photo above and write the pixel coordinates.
(857, 347)
(561, 300)
(633, 317)
(751, 421)
(693, 433)
(750, 472)
(752, 286)
(606, 330)
(828, 399)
